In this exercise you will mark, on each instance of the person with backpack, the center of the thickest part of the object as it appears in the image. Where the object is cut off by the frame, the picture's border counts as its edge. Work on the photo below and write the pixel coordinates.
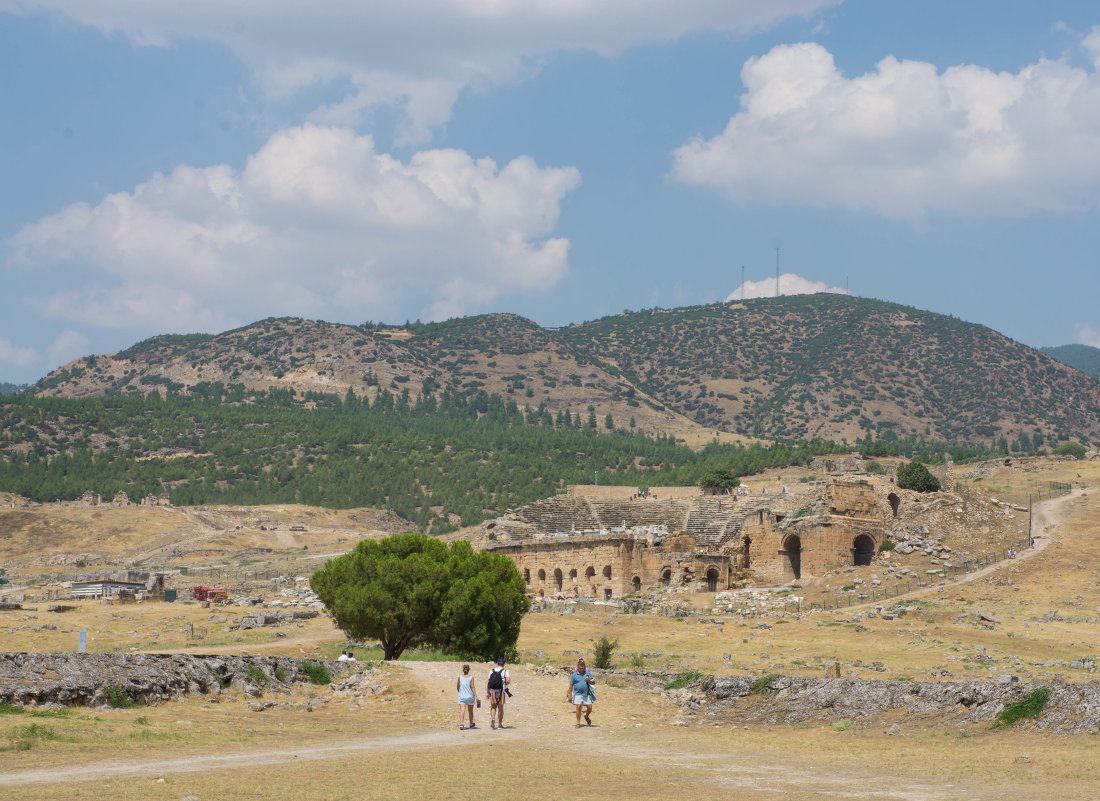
(497, 685)
(581, 693)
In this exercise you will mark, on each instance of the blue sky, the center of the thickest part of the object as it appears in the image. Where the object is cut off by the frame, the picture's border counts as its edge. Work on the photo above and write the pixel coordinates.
(194, 166)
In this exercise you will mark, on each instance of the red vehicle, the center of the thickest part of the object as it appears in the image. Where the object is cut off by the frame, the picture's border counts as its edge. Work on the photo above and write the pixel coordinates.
(211, 594)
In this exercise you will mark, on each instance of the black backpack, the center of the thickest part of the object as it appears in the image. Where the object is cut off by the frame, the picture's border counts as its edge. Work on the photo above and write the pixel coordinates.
(496, 679)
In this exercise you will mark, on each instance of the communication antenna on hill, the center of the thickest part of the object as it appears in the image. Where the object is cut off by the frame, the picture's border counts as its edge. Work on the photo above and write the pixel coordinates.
(742, 283)
(846, 292)
(777, 272)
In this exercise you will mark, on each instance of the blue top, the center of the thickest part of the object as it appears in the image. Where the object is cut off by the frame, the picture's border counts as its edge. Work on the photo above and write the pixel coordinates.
(580, 685)
(465, 692)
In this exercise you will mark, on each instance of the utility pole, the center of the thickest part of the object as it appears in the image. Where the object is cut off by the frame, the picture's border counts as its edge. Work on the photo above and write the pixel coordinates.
(742, 300)
(596, 477)
(777, 272)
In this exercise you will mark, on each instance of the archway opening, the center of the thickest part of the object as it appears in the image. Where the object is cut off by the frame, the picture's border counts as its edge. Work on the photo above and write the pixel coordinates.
(607, 594)
(666, 577)
(792, 558)
(607, 571)
(590, 573)
(573, 575)
(863, 550)
(895, 502)
(636, 582)
(558, 578)
(712, 579)
(745, 553)
(542, 575)
(526, 575)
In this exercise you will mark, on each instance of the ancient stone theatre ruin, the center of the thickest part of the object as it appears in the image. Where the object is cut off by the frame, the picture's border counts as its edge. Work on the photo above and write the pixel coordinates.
(606, 545)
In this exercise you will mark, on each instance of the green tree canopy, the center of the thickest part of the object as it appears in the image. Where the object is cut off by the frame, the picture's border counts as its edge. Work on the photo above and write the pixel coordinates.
(1074, 449)
(409, 590)
(915, 476)
(718, 478)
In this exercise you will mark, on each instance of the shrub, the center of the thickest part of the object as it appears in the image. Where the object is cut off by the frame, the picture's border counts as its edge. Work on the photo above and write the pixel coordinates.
(318, 673)
(637, 660)
(915, 476)
(8, 708)
(280, 674)
(603, 652)
(256, 674)
(683, 680)
(1074, 449)
(118, 698)
(763, 685)
(1030, 706)
(887, 545)
(875, 468)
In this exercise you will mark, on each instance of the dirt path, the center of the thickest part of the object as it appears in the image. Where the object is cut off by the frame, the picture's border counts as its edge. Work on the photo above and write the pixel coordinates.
(629, 726)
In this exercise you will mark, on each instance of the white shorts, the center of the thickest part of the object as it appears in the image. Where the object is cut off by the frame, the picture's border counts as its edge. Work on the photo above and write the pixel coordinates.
(585, 699)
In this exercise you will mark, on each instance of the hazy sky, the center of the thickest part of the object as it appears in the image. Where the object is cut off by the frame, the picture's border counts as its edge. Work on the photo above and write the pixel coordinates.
(196, 165)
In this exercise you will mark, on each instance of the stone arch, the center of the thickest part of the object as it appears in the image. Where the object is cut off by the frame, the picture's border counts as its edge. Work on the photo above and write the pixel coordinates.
(542, 574)
(526, 575)
(607, 571)
(895, 502)
(636, 582)
(542, 593)
(792, 557)
(573, 575)
(558, 578)
(666, 577)
(863, 549)
(590, 572)
(746, 545)
(712, 576)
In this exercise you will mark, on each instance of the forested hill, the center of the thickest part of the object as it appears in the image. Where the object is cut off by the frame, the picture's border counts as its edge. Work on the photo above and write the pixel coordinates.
(790, 368)
(1085, 358)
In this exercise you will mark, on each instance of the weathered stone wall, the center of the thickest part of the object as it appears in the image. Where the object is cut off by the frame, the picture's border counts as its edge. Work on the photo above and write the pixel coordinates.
(606, 566)
(566, 546)
(83, 679)
(1071, 708)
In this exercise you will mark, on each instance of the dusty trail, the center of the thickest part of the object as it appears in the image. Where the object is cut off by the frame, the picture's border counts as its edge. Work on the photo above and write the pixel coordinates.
(538, 718)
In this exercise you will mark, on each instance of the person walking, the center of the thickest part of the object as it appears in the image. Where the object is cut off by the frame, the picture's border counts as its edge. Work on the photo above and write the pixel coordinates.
(497, 685)
(467, 693)
(581, 693)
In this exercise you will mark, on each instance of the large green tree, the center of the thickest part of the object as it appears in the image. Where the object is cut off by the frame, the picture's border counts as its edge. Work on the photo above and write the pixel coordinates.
(410, 589)
(915, 476)
(718, 479)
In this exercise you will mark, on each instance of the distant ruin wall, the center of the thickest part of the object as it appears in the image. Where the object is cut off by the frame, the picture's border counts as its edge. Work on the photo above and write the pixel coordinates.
(83, 679)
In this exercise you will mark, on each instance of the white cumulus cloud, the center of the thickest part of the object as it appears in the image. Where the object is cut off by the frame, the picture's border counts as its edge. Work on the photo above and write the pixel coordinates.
(789, 284)
(67, 345)
(417, 55)
(907, 138)
(1087, 335)
(317, 223)
(14, 356)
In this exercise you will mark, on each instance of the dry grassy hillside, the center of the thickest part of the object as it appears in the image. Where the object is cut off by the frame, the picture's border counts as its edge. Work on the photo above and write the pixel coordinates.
(826, 366)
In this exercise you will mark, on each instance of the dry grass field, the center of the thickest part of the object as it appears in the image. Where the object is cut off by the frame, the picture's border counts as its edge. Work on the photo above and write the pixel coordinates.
(403, 742)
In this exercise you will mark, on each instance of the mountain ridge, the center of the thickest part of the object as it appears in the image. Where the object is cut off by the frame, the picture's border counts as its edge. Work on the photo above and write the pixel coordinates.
(794, 367)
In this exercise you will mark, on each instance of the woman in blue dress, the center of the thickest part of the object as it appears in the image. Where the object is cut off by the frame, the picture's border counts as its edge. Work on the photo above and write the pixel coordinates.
(580, 692)
(466, 695)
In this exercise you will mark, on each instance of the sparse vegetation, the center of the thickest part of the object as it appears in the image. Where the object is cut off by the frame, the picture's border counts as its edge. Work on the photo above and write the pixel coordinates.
(1030, 706)
(317, 672)
(602, 653)
(683, 680)
(763, 685)
(119, 699)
